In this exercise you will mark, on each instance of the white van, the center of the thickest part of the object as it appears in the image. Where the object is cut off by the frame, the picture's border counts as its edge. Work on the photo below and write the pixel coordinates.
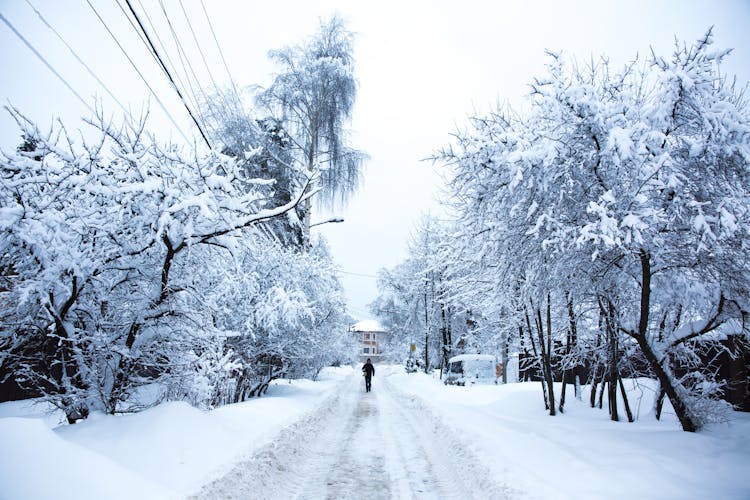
(468, 369)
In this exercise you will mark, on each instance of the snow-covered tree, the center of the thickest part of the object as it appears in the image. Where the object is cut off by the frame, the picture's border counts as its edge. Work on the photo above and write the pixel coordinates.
(101, 242)
(126, 262)
(620, 195)
(262, 149)
(417, 303)
(313, 96)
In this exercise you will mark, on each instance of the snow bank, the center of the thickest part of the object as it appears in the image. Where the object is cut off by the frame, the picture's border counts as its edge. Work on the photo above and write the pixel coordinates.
(30, 408)
(37, 463)
(582, 454)
(168, 451)
(171, 450)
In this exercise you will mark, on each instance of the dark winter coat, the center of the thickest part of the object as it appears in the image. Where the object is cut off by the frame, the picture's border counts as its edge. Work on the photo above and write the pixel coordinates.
(368, 370)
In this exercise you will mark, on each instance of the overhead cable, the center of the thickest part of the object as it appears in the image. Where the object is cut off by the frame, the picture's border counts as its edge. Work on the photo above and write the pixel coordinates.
(158, 39)
(357, 274)
(169, 75)
(161, 104)
(219, 94)
(137, 31)
(73, 52)
(49, 66)
(184, 59)
(216, 40)
(164, 48)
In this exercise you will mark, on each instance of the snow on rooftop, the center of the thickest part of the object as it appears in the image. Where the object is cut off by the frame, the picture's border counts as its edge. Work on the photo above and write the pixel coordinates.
(473, 357)
(368, 325)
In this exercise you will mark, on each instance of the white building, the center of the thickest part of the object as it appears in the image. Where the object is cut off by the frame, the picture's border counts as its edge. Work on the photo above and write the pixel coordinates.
(371, 338)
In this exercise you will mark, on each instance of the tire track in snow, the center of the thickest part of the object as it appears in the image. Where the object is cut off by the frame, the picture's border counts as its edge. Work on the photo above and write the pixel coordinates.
(359, 468)
(279, 470)
(437, 463)
(378, 445)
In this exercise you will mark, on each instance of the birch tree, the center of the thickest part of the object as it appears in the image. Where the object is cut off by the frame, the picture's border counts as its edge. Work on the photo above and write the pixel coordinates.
(313, 96)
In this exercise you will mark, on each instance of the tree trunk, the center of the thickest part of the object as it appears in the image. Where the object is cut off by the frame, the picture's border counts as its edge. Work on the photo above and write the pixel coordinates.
(613, 372)
(566, 371)
(426, 334)
(688, 422)
(546, 355)
(523, 372)
(538, 359)
(614, 375)
(625, 400)
(572, 344)
(505, 355)
(659, 404)
(124, 368)
(594, 384)
(306, 205)
(62, 367)
(595, 376)
(612, 400)
(665, 382)
(445, 336)
(550, 379)
(239, 388)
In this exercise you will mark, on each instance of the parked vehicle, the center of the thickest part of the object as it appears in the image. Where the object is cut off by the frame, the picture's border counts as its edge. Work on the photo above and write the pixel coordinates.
(469, 369)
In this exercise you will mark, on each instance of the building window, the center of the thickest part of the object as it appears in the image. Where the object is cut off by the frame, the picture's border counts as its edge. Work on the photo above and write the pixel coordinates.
(366, 350)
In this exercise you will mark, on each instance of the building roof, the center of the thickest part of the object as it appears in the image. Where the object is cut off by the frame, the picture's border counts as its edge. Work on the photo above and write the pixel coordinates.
(472, 357)
(368, 325)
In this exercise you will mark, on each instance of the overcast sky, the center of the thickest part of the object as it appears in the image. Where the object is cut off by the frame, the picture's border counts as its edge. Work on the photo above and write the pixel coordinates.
(423, 67)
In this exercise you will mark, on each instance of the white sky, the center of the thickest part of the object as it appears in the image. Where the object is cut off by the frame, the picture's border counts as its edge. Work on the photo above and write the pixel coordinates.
(422, 66)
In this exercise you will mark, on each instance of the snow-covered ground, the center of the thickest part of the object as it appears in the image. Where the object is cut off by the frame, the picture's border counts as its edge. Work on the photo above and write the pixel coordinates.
(165, 452)
(584, 455)
(377, 445)
(412, 437)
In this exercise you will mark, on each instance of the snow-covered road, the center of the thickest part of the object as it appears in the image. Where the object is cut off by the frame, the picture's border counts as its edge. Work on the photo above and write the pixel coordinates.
(381, 444)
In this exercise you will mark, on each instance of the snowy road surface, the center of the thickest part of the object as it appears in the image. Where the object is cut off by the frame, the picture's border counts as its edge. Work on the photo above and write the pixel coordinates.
(381, 444)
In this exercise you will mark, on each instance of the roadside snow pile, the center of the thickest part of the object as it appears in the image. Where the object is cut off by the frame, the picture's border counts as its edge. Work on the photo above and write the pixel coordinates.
(37, 463)
(168, 451)
(172, 450)
(582, 454)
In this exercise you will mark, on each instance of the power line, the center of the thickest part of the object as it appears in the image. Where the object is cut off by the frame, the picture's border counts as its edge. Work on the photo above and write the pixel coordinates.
(137, 31)
(219, 94)
(161, 44)
(49, 66)
(161, 104)
(221, 53)
(156, 35)
(166, 70)
(198, 45)
(158, 39)
(357, 274)
(359, 311)
(182, 55)
(73, 52)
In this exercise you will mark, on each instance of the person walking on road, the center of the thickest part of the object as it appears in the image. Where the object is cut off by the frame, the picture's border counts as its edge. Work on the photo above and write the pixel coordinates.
(368, 371)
